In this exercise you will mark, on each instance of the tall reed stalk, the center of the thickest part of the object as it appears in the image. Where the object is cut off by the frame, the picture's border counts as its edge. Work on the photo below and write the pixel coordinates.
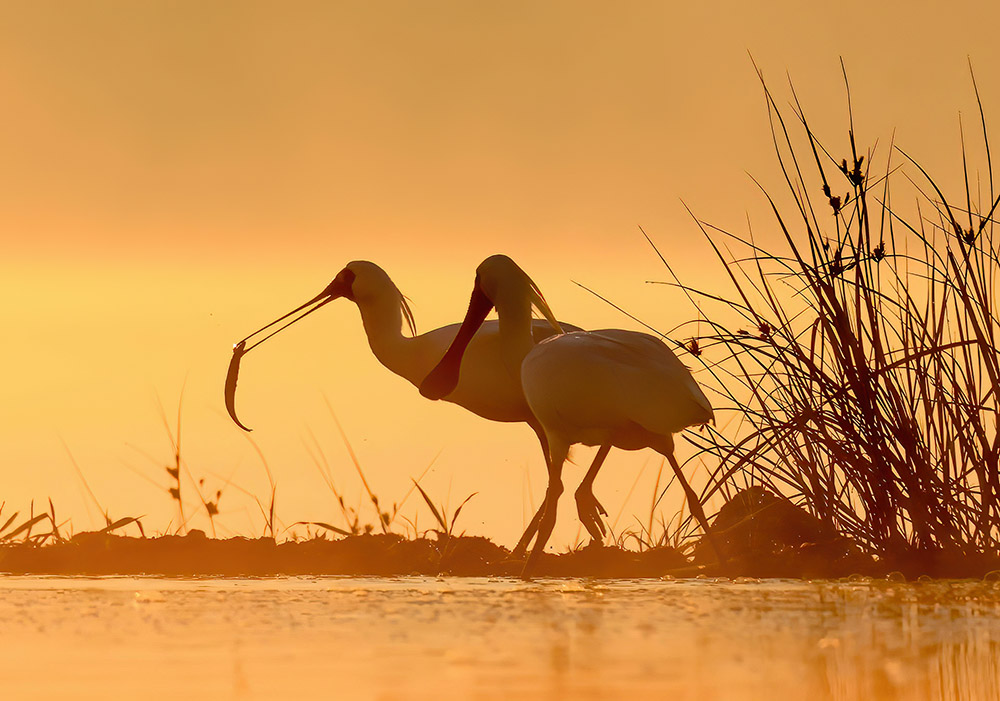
(861, 360)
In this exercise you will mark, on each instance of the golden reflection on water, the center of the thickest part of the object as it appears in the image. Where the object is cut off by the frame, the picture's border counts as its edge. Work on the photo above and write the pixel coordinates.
(935, 640)
(425, 638)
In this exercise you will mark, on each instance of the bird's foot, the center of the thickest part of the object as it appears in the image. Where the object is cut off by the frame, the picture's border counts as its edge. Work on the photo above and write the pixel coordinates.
(590, 512)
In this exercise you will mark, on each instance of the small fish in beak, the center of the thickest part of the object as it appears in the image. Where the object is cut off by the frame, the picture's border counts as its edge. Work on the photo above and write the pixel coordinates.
(340, 287)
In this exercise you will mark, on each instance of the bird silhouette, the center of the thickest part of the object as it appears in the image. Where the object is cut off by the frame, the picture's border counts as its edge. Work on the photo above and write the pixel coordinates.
(489, 384)
(607, 388)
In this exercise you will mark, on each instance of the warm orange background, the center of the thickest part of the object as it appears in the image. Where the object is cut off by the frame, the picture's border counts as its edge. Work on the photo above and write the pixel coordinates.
(174, 175)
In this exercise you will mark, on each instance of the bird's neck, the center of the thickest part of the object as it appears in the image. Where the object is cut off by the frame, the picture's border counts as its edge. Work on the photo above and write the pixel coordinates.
(515, 336)
(383, 322)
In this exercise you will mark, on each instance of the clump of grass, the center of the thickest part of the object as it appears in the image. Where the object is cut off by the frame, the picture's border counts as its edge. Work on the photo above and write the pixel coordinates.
(174, 470)
(270, 513)
(658, 531)
(209, 504)
(655, 529)
(8, 536)
(10, 529)
(386, 518)
(446, 525)
(178, 470)
(109, 523)
(861, 361)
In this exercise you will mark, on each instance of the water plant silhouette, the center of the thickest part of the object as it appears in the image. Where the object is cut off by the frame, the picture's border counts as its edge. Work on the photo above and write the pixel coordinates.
(863, 363)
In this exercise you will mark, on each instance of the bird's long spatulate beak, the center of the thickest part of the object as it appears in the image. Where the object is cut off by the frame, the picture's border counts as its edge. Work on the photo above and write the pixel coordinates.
(443, 379)
(241, 349)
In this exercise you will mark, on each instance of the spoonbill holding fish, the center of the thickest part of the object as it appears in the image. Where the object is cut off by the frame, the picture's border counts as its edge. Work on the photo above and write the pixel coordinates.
(489, 383)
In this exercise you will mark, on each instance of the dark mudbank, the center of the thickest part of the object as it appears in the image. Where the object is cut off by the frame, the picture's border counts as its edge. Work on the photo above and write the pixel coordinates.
(765, 535)
(759, 533)
(195, 554)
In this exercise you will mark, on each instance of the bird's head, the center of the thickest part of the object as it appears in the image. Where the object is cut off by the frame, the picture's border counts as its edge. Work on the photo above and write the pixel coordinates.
(500, 283)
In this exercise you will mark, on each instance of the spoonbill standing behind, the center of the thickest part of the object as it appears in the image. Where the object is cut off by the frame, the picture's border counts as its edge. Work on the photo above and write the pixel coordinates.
(489, 384)
(601, 388)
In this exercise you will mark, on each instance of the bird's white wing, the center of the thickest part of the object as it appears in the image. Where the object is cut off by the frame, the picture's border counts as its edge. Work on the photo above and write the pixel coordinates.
(612, 377)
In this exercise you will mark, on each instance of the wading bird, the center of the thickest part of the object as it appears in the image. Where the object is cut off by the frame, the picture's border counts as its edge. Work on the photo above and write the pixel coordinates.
(601, 388)
(489, 384)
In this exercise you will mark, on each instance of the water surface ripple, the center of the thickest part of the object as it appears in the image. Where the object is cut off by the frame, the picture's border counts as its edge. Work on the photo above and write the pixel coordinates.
(456, 638)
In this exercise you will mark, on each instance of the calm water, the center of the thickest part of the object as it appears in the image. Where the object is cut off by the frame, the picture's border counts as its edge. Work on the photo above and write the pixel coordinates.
(425, 638)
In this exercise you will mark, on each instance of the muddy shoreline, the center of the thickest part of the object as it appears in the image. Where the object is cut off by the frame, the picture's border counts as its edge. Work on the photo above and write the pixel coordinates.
(195, 554)
(755, 534)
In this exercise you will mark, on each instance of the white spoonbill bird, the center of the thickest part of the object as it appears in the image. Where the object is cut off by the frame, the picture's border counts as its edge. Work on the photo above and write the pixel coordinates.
(602, 388)
(489, 384)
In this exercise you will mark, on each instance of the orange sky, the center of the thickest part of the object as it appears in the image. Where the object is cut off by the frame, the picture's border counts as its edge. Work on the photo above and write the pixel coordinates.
(177, 174)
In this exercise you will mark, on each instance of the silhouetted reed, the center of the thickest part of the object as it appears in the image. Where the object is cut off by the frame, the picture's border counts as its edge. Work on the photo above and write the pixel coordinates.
(861, 360)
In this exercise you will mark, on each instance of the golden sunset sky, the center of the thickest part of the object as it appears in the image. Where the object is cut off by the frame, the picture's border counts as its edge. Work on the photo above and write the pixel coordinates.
(176, 174)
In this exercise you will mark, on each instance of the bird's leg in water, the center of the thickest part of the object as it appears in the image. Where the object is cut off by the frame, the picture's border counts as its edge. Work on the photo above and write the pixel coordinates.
(522, 545)
(692, 499)
(548, 520)
(587, 506)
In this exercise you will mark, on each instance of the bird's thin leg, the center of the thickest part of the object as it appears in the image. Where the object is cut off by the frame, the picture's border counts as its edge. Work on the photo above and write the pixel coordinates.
(548, 520)
(522, 545)
(693, 503)
(587, 506)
